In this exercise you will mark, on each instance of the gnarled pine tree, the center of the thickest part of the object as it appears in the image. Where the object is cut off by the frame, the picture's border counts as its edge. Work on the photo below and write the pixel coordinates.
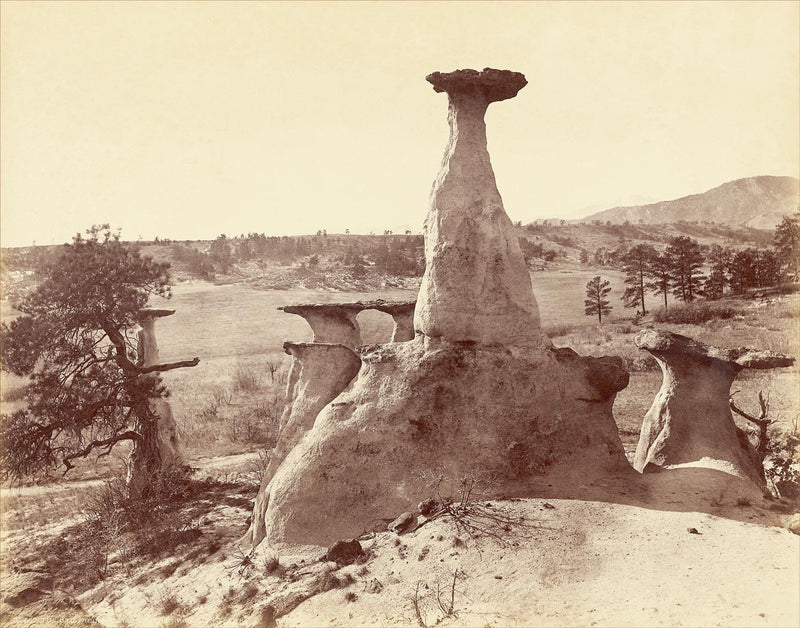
(88, 389)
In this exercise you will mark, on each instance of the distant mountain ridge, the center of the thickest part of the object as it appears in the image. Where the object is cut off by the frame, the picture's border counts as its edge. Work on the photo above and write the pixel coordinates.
(756, 202)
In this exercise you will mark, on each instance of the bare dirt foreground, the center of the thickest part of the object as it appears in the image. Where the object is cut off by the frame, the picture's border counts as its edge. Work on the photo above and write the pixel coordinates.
(625, 551)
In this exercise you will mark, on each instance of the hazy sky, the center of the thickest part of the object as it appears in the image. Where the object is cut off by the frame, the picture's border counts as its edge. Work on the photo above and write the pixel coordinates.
(187, 120)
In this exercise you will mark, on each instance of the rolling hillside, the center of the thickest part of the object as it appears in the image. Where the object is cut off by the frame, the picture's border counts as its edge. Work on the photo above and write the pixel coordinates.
(756, 202)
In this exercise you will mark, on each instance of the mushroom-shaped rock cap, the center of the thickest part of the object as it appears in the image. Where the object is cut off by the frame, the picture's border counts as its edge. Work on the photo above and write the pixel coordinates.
(659, 342)
(391, 307)
(147, 314)
(354, 306)
(494, 84)
(321, 308)
(291, 348)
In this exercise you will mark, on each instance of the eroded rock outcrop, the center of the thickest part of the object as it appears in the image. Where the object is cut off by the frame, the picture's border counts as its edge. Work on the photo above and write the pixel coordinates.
(476, 392)
(690, 422)
(429, 408)
(318, 374)
(476, 285)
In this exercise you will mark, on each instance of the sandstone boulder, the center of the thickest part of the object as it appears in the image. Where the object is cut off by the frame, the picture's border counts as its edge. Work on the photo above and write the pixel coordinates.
(690, 422)
(403, 523)
(344, 552)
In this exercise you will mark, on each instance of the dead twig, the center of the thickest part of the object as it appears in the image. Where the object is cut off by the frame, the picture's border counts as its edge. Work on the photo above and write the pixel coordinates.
(762, 446)
(417, 611)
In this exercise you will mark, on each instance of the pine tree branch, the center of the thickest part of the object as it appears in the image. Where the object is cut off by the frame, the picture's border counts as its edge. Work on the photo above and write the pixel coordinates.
(106, 442)
(157, 368)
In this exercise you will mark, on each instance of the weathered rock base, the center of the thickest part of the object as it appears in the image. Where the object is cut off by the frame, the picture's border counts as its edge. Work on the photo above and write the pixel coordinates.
(319, 373)
(429, 409)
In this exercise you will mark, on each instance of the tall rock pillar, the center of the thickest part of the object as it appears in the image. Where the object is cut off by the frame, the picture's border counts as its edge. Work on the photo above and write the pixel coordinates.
(476, 285)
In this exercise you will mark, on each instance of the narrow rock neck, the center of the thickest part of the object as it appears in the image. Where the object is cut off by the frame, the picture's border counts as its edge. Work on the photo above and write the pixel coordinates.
(465, 114)
(148, 346)
(467, 157)
(702, 380)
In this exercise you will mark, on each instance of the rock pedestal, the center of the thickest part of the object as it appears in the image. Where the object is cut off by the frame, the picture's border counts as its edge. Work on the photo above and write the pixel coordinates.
(690, 422)
(319, 373)
(337, 322)
(428, 408)
(403, 315)
(476, 285)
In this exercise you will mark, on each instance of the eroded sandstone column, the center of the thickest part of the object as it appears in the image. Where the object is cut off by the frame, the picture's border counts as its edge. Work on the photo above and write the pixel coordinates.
(476, 285)
(324, 371)
(403, 315)
(331, 322)
(690, 422)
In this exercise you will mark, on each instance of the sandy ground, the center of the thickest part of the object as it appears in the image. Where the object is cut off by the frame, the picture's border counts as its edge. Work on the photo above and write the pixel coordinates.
(590, 563)
(660, 550)
(685, 547)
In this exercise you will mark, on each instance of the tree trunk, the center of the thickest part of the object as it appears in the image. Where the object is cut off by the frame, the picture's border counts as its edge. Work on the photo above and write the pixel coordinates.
(145, 459)
(641, 290)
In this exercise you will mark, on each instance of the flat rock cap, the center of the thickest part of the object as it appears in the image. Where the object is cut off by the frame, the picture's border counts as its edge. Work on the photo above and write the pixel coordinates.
(663, 342)
(149, 313)
(354, 306)
(493, 84)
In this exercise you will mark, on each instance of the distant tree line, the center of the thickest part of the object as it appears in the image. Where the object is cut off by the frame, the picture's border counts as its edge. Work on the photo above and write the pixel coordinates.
(389, 254)
(536, 250)
(680, 270)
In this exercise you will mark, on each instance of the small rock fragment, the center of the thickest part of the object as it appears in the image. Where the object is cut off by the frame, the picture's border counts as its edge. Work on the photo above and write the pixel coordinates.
(404, 523)
(692, 530)
(793, 523)
(428, 507)
(788, 489)
(25, 588)
(344, 552)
